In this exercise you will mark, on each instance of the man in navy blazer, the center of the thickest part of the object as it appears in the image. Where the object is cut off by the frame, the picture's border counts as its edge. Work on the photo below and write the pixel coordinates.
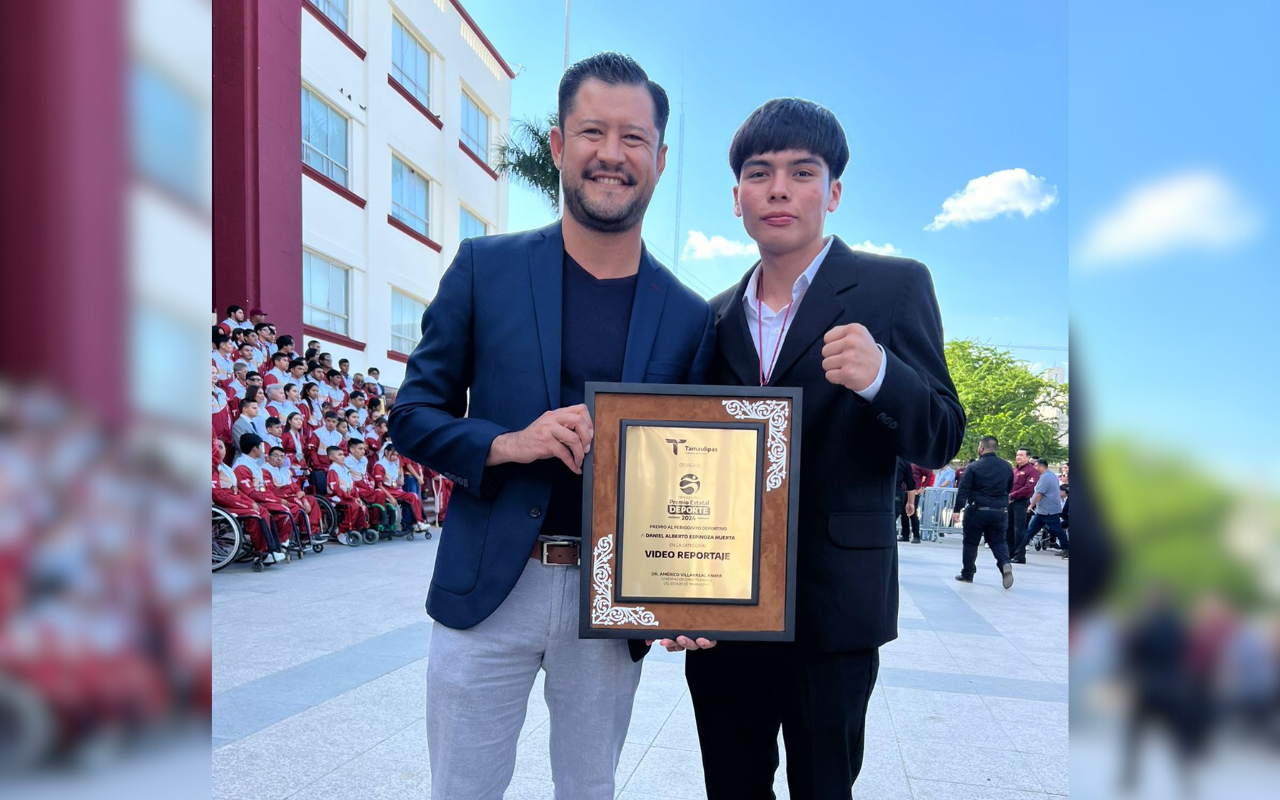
(493, 399)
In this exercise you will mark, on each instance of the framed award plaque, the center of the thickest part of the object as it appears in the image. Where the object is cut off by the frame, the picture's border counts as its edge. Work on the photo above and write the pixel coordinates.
(689, 512)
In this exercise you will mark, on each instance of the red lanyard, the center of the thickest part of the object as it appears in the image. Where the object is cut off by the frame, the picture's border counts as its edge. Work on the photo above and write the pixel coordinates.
(764, 377)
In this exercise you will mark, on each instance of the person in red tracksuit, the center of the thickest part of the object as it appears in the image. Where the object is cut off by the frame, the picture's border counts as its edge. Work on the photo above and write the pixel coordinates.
(248, 471)
(376, 438)
(221, 413)
(353, 518)
(378, 501)
(318, 445)
(295, 443)
(227, 496)
(282, 483)
(388, 476)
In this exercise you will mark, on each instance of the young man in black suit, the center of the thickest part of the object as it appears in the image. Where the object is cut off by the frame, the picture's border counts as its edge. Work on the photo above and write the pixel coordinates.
(862, 334)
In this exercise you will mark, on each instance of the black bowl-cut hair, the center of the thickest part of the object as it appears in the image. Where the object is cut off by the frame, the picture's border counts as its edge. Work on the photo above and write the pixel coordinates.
(789, 123)
(613, 69)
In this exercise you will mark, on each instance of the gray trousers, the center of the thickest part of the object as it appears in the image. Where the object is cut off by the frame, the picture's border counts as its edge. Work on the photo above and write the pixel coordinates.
(478, 684)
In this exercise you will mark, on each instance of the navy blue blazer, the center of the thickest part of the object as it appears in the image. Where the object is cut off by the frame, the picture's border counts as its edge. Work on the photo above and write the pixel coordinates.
(494, 330)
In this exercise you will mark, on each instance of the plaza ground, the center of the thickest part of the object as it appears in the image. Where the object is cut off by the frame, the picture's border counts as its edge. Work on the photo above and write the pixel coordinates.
(320, 669)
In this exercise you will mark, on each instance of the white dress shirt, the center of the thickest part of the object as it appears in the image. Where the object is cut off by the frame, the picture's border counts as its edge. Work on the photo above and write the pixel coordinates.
(772, 321)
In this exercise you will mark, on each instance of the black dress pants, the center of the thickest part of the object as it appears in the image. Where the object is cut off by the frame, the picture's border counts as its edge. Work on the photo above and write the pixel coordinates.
(743, 691)
(1017, 525)
(977, 524)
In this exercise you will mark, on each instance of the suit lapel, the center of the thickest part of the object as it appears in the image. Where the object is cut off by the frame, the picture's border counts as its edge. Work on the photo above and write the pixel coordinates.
(646, 311)
(819, 309)
(736, 346)
(546, 275)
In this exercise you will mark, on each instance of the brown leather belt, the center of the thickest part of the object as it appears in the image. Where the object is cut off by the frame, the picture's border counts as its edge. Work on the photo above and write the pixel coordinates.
(556, 553)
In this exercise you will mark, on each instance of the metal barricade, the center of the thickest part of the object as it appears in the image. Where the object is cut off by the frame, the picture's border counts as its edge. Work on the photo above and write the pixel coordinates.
(935, 511)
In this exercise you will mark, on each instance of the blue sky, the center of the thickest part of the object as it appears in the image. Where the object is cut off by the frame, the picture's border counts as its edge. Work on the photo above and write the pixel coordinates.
(932, 96)
(1176, 346)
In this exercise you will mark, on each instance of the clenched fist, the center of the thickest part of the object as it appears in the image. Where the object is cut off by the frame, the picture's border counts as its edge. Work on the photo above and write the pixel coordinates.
(850, 357)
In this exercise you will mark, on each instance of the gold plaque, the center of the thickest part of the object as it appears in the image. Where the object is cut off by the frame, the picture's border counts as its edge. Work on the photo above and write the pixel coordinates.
(690, 501)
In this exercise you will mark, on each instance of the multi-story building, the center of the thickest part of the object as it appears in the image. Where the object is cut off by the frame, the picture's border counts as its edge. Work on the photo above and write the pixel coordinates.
(398, 108)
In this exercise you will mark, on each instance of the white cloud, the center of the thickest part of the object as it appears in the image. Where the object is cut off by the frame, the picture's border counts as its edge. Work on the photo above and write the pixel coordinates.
(885, 249)
(1009, 191)
(1192, 210)
(700, 247)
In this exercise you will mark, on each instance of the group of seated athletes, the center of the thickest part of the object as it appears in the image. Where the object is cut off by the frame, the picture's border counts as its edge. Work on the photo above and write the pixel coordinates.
(298, 427)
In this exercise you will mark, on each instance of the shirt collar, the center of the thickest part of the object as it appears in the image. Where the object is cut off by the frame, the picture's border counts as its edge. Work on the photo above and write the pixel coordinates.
(801, 284)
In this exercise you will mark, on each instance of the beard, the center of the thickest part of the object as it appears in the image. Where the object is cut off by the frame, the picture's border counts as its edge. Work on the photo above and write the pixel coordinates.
(605, 217)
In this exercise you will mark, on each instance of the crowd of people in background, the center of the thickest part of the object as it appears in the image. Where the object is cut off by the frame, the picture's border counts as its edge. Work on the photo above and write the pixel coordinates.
(1016, 504)
(290, 426)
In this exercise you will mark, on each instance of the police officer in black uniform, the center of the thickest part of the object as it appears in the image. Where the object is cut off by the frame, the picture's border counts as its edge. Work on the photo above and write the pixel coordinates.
(984, 494)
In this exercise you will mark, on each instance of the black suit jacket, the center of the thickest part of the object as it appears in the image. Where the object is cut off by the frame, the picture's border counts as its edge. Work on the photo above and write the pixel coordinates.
(847, 572)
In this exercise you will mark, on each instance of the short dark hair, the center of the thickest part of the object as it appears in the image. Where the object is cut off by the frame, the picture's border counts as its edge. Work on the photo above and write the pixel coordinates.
(1042, 463)
(276, 356)
(332, 372)
(342, 361)
(989, 443)
(273, 421)
(331, 449)
(284, 341)
(789, 123)
(372, 370)
(297, 362)
(246, 400)
(323, 356)
(219, 339)
(252, 374)
(249, 441)
(356, 393)
(354, 442)
(275, 448)
(261, 326)
(233, 309)
(243, 345)
(1024, 450)
(331, 415)
(613, 69)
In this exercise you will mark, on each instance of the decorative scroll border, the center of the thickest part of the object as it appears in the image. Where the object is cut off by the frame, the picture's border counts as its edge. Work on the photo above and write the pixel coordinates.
(603, 611)
(775, 412)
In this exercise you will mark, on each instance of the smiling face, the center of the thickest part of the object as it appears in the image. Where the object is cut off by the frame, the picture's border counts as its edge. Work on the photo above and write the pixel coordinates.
(784, 198)
(609, 155)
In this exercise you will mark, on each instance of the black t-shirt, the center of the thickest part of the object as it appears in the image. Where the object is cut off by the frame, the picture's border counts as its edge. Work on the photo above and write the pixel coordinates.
(595, 315)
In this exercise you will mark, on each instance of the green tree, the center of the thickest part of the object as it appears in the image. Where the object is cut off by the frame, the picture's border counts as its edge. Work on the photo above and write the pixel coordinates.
(1003, 398)
(526, 156)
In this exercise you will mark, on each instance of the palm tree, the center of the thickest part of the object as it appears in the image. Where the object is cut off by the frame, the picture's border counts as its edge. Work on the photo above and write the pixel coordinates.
(526, 156)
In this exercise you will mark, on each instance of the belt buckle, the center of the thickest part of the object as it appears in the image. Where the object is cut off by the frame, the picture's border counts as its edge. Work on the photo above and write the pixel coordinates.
(558, 543)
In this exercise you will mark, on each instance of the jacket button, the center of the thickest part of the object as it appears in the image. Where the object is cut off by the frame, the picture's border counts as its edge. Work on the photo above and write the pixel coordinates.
(893, 426)
(535, 512)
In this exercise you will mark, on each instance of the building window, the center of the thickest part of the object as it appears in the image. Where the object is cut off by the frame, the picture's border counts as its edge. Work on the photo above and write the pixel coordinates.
(409, 197)
(335, 10)
(165, 132)
(324, 137)
(410, 63)
(406, 322)
(470, 226)
(475, 127)
(324, 294)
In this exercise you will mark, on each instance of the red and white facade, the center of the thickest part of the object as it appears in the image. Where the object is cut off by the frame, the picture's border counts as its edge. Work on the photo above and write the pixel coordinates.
(395, 94)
